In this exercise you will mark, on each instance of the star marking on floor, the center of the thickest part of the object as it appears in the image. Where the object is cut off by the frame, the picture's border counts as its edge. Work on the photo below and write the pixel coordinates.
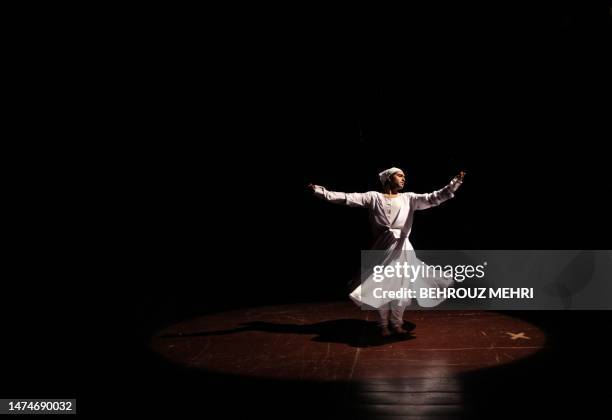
(516, 336)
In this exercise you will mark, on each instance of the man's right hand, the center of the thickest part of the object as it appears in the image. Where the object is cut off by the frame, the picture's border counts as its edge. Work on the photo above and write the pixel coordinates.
(312, 187)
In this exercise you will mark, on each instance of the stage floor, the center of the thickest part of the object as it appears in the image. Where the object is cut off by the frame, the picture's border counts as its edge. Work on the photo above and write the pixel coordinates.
(339, 342)
(315, 352)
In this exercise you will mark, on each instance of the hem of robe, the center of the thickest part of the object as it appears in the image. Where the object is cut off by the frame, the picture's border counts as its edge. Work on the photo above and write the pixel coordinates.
(355, 296)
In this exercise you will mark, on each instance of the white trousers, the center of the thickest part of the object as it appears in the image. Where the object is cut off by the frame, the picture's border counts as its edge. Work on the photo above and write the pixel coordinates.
(392, 312)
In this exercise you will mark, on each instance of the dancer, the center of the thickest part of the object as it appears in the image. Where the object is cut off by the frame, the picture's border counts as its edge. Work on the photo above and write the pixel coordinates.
(391, 215)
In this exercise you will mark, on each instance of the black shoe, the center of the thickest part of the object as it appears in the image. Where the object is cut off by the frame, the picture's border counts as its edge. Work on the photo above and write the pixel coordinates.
(385, 332)
(398, 329)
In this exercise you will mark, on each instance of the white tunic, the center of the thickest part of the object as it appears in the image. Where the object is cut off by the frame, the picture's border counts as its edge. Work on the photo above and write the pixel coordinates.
(391, 222)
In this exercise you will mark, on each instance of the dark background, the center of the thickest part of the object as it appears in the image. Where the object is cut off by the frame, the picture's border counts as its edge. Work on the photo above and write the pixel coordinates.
(516, 95)
(215, 122)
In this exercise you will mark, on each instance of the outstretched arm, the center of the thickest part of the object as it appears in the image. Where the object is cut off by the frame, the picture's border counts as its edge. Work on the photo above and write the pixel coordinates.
(425, 201)
(348, 199)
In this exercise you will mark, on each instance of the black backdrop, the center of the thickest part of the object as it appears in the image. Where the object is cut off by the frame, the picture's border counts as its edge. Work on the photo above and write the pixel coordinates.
(514, 95)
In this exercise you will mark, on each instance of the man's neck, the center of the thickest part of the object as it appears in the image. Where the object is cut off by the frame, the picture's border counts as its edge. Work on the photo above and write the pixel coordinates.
(389, 191)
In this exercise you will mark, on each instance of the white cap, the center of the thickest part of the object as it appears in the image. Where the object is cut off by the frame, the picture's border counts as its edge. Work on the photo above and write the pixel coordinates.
(387, 173)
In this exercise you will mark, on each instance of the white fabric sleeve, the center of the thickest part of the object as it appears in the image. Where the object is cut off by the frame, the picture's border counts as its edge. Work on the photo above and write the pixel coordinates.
(425, 201)
(348, 199)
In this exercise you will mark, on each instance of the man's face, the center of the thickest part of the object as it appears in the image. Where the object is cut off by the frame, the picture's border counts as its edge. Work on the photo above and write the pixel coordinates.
(398, 180)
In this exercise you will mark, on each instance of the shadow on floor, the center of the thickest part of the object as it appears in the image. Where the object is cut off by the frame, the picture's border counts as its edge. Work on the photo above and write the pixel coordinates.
(354, 332)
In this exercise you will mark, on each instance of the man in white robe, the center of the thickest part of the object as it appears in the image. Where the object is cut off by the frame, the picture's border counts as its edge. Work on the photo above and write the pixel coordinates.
(391, 215)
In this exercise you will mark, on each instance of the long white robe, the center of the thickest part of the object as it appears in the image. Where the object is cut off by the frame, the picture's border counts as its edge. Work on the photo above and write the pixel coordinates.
(391, 236)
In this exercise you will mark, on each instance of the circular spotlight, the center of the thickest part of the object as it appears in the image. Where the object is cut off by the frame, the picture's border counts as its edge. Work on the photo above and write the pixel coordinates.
(339, 342)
